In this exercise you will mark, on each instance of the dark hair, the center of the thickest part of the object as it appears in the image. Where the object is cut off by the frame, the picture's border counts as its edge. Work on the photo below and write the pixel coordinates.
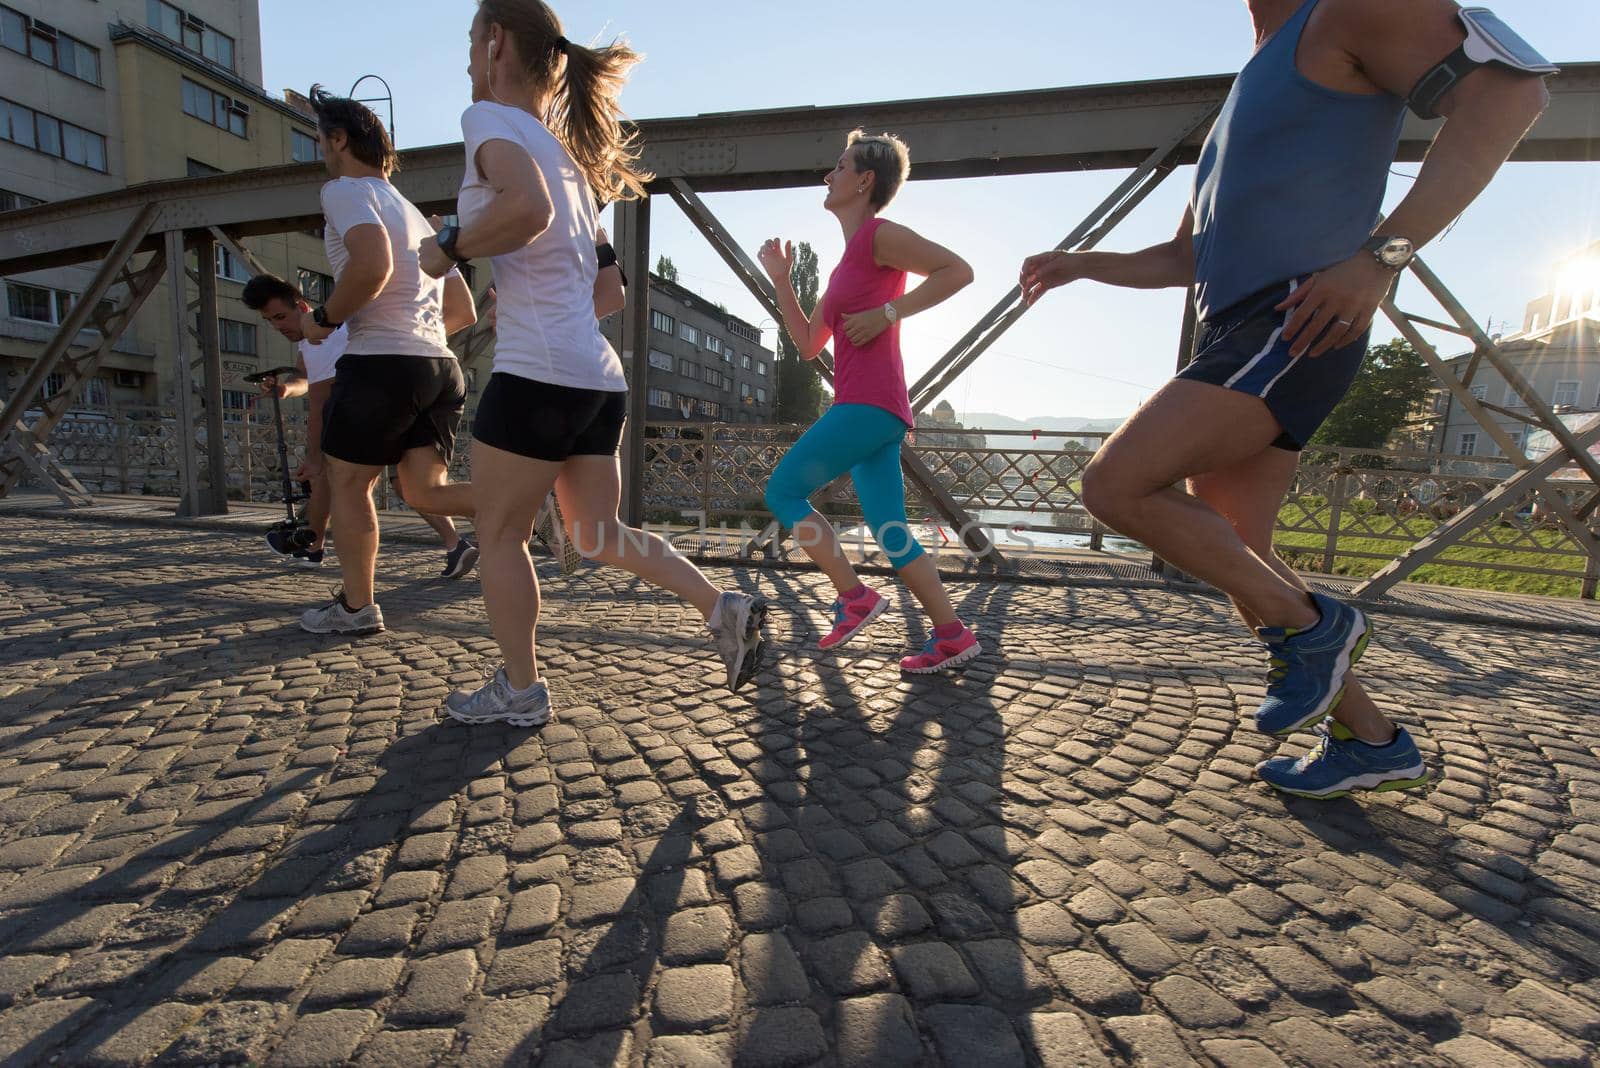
(263, 289)
(368, 140)
(585, 83)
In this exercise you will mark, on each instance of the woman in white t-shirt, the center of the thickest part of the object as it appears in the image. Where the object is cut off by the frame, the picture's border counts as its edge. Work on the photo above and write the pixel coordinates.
(543, 132)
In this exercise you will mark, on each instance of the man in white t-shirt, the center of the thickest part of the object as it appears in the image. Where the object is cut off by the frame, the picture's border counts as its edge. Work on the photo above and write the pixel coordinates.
(282, 306)
(398, 392)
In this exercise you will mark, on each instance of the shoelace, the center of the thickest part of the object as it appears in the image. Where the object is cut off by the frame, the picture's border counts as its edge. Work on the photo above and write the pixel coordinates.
(838, 613)
(1318, 751)
(1279, 660)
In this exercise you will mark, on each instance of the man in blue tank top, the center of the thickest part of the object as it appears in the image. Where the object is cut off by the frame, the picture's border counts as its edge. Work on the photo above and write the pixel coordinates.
(1290, 262)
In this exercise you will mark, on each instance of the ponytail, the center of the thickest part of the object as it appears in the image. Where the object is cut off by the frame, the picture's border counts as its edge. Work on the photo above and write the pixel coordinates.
(586, 114)
(585, 84)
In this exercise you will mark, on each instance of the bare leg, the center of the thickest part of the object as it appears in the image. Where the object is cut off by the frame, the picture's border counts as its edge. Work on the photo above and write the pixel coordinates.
(921, 577)
(441, 524)
(427, 488)
(317, 509)
(1249, 496)
(356, 520)
(505, 522)
(1186, 429)
(589, 490)
(816, 537)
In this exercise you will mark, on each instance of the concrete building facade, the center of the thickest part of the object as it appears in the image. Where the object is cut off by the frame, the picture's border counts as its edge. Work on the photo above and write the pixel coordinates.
(704, 364)
(1557, 350)
(98, 96)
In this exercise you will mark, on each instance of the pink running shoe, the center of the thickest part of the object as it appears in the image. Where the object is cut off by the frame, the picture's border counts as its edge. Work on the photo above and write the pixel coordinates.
(940, 653)
(851, 617)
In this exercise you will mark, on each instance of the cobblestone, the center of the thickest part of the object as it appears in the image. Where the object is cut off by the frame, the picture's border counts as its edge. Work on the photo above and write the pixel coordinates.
(224, 840)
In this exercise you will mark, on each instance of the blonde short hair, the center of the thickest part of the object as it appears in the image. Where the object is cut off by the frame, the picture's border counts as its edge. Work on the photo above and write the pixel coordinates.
(887, 157)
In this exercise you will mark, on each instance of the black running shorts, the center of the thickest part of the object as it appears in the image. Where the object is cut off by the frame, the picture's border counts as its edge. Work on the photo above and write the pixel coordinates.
(382, 407)
(546, 422)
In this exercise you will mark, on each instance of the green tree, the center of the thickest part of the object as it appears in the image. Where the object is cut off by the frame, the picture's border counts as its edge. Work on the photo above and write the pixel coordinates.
(666, 269)
(1392, 383)
(801, 395)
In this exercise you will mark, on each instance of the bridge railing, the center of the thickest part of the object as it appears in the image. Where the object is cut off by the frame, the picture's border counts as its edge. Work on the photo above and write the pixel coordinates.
(1349, 511)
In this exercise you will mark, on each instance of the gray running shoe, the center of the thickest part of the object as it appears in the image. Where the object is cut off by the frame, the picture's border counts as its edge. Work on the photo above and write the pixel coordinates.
(740, 617)
(459, 561)
(336, 618)
(494, 702)
(551, 529)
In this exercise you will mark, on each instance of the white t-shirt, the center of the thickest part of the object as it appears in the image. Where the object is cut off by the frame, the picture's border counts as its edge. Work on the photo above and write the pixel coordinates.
(407, 317)
(320, 358)
(546, 328)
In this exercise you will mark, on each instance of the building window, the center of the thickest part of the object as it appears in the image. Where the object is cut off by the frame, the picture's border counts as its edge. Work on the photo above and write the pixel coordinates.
(234, 336)
(1566, 395)
(660, 398)
(689, 333)
(1469, 444)
(127, 379)
(713, 344)
(230, 266)
(180, 26)
(48, 45)
(761, 369)
(303, 148)
(712, 377)
(1480, 392)
(661, 361)
(10, 201)
(54, 383)
(761, 396)
(214, 108)
(687, 369)
(663, 322)
(744, 361)
(744, 330)
(709, 409)
(744, 391)
(314, 286)
(38, 304)
(235, 403)
(49, 135)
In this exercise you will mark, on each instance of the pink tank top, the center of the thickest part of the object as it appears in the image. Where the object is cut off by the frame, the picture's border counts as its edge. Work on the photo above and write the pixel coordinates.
(872, 374)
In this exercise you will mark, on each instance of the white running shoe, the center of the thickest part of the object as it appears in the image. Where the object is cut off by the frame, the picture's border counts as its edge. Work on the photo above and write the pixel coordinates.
(739, 620)
(495, 702)
(551, 528)
(336, 618)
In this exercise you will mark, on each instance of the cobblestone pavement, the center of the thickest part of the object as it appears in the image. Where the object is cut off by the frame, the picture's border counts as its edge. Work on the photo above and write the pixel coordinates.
(224, 840)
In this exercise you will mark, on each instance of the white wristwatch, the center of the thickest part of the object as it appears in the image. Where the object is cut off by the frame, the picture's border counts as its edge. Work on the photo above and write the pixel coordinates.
(890, 314)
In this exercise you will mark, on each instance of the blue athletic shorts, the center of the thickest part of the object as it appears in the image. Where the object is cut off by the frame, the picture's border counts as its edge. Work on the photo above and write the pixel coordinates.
(1242, 348)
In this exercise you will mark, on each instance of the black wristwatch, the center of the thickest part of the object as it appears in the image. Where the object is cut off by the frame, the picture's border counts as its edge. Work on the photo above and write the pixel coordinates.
(1395, 253)
(447, 239)
(608, 258)
(320, 317)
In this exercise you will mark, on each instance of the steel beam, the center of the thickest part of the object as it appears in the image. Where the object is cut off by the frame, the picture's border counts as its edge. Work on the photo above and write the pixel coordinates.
(215, 501)
(183, 433)
(633, 237)
(1039, 131)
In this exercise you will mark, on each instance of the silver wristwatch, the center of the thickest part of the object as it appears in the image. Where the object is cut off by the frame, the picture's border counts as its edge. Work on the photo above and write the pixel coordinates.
(890, 314)
(1395, 253)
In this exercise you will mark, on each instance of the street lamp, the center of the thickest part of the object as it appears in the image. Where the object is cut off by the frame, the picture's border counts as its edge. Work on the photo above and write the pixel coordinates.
(389, 99)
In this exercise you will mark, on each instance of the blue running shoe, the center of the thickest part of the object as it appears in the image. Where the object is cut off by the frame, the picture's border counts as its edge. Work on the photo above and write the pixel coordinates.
(1339, 764)
(1306, 680)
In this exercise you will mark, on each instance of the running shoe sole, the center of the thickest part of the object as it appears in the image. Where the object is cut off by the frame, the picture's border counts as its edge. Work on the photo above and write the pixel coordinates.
(955, 661)
(514, 719)
(353, 632)
(267, 537)
(877, 610)
(463, 565)
(1375, 783)
(754, 645)
(1349, 657)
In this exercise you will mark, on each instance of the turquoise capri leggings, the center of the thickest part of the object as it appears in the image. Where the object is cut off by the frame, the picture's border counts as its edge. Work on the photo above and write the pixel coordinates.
(864, 441)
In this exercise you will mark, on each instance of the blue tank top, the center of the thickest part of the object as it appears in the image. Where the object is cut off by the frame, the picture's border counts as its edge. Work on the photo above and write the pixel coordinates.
(1291, 178)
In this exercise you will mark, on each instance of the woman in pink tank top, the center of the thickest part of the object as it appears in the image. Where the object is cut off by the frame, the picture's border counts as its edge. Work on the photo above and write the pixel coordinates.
(863, 430)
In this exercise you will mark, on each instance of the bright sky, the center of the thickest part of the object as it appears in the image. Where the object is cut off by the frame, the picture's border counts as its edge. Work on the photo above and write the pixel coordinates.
(1086, 351)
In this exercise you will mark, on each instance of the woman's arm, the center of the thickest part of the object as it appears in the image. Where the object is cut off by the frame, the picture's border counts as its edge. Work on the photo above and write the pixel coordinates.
(519, 210)
(944, 274)
(809, 334)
